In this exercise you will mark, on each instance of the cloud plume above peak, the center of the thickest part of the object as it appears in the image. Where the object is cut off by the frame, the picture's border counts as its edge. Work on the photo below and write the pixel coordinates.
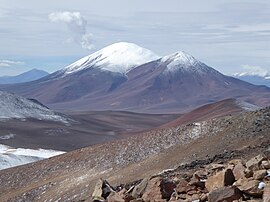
(76, 24)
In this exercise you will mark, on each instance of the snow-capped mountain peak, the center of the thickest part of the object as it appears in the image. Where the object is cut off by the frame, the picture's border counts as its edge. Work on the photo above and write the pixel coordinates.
(178, 60)
(119, 57)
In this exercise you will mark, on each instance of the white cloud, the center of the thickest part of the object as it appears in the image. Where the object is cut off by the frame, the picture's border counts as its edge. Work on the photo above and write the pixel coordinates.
(76, 25)
(87, 41)
(8, 63)
(249, 70)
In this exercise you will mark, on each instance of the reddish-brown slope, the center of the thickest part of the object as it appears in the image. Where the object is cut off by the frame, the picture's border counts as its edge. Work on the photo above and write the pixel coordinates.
(209, 111)
(71, 177)
(86, 129)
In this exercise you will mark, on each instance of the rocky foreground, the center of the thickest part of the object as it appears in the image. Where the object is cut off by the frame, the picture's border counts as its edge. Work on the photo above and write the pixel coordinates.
(233, 181)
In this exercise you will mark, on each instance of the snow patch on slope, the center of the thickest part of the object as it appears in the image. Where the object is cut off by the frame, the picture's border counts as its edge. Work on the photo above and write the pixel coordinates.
(119, 57)
(14, 106)
(10, 157)
(247, 106)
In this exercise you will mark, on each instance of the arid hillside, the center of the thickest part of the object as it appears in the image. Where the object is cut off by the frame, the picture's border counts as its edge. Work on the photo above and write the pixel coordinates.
(72, 176)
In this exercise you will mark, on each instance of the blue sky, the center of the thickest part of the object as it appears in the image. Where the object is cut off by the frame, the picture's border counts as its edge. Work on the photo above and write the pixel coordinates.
(229, 35)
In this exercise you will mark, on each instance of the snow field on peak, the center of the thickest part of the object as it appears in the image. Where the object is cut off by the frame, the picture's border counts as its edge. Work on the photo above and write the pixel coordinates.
(119, 57)
(179, 60)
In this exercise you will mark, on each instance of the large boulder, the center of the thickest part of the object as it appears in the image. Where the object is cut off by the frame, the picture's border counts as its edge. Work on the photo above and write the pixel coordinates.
(139, 189)
(249, 186)
(239, 171)
(256, 162)
(115, 197)
(102, 191)
(266, 164)
(183, 187)
(228, 194)
(152, 191)
(97, 194)
(259, 174)
(220, 179)
(167, 187)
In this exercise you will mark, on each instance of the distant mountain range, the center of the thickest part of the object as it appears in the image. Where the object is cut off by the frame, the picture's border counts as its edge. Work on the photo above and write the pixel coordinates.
(255, 79)
(124, 76)
(31, 75)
